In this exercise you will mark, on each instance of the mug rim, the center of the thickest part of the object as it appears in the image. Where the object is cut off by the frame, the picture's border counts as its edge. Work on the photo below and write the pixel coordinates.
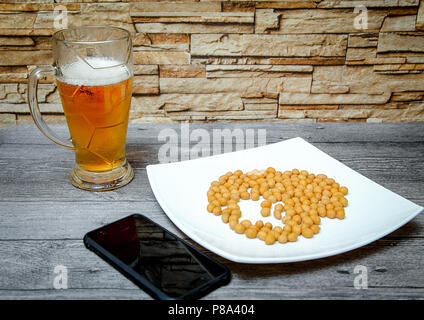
(126, 35)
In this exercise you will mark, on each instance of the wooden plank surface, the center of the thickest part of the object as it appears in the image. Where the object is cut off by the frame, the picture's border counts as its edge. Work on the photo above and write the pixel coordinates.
(43, 218)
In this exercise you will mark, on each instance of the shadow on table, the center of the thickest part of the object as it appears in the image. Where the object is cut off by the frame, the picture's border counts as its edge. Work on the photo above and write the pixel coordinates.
(343, 263)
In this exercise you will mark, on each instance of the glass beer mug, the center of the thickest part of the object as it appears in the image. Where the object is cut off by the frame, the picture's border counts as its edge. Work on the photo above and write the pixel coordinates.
(93, 69)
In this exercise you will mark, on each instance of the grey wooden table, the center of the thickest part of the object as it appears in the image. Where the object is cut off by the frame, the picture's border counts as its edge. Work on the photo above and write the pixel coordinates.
(43, 218)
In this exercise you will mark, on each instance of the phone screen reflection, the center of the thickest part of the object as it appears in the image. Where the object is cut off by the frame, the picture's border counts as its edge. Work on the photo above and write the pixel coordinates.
(157, 255)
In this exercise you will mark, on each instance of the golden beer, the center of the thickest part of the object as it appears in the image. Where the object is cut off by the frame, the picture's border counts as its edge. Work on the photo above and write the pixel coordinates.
(97, 118)
(93, 67)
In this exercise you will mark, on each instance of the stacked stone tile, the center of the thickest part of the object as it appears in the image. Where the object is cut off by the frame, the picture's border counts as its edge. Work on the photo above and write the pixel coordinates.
(288, 61)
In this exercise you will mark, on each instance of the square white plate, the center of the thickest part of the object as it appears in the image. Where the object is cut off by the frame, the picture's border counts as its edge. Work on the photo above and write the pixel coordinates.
(180, 188)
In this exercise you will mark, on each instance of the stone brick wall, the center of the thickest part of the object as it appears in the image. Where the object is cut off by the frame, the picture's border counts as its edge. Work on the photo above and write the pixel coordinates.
(291, 60)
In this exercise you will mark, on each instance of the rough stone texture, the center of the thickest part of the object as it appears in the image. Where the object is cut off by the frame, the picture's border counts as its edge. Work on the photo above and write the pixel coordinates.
(266, 20)
(297, 84)
(21, 58)
(182, 71)
(330, 98)
(189, 27)
(363, 40)
(420, 17)
(284, 45)
(243, 86)
(7, 120)
(255, 71)
(184, 7)
(16, 41)
(166, 103)
(216, 60)
(194, 17)
(395, 42)
(316, 21)
(146, 84)
(364, 80)
(49, 118)
(141, 39)
(399, 23)
(290, 4)
(13, 74)
(168, 57)
(143, 69)
(371, 3)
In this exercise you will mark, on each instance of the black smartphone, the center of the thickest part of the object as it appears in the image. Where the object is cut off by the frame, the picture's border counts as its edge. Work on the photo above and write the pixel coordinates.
(156, 260)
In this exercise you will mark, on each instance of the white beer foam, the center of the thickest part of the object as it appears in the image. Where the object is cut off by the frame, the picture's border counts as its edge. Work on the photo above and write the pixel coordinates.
(98, 72)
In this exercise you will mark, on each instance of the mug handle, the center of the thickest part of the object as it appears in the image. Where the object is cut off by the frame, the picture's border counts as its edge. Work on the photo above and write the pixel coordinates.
(34, 77)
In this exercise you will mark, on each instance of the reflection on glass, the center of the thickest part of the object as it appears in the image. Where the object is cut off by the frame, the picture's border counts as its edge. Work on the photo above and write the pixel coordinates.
(155, 254)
